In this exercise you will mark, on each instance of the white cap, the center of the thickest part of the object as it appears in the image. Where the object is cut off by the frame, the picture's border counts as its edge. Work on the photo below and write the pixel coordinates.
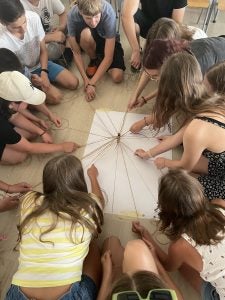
(16, 87)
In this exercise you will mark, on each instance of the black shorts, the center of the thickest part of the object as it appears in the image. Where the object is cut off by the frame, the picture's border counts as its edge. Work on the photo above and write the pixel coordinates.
(144, 22)
(118, 56)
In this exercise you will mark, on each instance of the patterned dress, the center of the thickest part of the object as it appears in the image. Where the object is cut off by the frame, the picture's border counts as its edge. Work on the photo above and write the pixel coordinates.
(214, 181)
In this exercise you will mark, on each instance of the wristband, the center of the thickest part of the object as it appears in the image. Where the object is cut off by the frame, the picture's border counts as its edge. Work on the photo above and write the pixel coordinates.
(45, 70)
(89, 84)
(42, 133)
(143, 98)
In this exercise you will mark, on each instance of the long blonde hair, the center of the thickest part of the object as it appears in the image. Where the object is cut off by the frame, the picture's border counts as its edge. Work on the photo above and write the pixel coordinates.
(65, 196)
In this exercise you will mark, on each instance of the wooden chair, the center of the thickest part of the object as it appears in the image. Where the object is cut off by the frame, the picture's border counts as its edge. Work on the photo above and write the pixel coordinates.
(203, 5)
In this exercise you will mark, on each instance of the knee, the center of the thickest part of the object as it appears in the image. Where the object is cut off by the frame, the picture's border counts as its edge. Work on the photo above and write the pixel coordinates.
(19, 158)
(85, 35)
(73, 83)
(135, 244)
(55, 98)
(117, 77)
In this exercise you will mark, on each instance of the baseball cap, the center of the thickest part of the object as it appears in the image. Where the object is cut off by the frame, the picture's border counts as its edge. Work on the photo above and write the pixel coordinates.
(16, 87)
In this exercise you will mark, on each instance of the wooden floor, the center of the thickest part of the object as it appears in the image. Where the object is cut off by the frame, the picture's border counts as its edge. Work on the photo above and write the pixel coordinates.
(77, 114)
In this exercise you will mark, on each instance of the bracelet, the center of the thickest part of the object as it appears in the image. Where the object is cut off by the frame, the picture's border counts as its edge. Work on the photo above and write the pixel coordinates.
(89, 84)
(144, 99)
(45, 70)
(145, 120)
(43, 133)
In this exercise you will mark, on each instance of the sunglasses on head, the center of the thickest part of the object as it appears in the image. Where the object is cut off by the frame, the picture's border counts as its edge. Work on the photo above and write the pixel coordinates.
(157, 294)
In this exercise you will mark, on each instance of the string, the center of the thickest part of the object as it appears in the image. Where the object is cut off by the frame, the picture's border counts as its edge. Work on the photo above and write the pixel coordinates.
(114, 181)
(131, 190)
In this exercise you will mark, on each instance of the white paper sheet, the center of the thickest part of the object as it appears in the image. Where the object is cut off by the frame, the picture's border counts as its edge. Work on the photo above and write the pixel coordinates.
(130, 183)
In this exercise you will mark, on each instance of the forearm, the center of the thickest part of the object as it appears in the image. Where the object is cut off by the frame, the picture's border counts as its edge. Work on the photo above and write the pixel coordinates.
(44, 109)
(167, 279)
(4, 186)
(103, 67)
(62, 21)
(95, 188)
(141, 85)
(130, 31)
(27, 114)
(44, 57)
(169, 143)
(21, 122)
(151, 95)
(105, 288)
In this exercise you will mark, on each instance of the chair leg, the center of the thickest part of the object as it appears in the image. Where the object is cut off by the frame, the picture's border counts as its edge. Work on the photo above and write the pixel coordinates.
(200, 15)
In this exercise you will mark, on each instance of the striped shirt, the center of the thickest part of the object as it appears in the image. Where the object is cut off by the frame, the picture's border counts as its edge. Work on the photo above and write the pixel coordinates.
(57, 261)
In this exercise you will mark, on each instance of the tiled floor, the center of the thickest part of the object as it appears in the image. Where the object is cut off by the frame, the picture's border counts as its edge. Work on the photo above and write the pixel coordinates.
(78, 114)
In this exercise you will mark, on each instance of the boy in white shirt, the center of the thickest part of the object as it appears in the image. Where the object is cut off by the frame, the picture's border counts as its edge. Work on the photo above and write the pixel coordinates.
(23, 34)
(55, 36)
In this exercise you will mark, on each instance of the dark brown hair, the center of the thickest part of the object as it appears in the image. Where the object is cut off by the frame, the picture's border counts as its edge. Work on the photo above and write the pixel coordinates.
(65, 196)
(183, 208)
(216, 78)
(89, 7)
(159, 50)
(141, 281)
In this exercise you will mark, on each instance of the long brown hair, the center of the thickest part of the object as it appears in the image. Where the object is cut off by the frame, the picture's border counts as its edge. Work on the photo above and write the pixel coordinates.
(216, 78)
(167, 28)
(183, 208)
(65, 196)
(141, 281)
(181, 91)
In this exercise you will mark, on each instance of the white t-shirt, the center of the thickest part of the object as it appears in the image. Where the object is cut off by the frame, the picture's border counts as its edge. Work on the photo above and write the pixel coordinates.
(46, 10)
(27, 49)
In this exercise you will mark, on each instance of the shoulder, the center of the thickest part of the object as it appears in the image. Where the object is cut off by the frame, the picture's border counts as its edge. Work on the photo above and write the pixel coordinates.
(107, 9)
(73, 12)
(195, 129)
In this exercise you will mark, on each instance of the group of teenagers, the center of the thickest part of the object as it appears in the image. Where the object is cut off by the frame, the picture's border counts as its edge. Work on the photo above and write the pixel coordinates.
(58, 254)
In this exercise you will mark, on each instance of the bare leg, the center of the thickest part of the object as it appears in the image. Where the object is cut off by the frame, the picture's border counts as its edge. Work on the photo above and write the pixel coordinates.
(26, 134)
(12, 157)
(87, 43)
(192, 276)
(116, 249)
(67, 80)
(53, 95)
(92, 263)
(116, 75)
(138, 257)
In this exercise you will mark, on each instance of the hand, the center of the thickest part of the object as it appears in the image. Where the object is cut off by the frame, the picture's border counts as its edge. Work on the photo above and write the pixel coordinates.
(160, 162)
(138, 228)
(42, 123)
(8, 203)
(136, 102)
(57, 36)
(47, 138)
(142, 153)
(69, 147)
(136, 59)
(90, 93)
(137, 126)
(45, 82)
(106, 261)
(36, 80)
(56, 120)
(92, 171)
(20, 187)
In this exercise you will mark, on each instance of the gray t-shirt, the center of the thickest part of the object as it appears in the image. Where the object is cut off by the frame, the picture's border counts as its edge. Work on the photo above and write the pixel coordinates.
(106, 28)
(208, 51)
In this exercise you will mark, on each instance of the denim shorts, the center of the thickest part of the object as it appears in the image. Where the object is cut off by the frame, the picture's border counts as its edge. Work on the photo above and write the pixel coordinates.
(82, 290)
(208, 292)
(53, 71)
